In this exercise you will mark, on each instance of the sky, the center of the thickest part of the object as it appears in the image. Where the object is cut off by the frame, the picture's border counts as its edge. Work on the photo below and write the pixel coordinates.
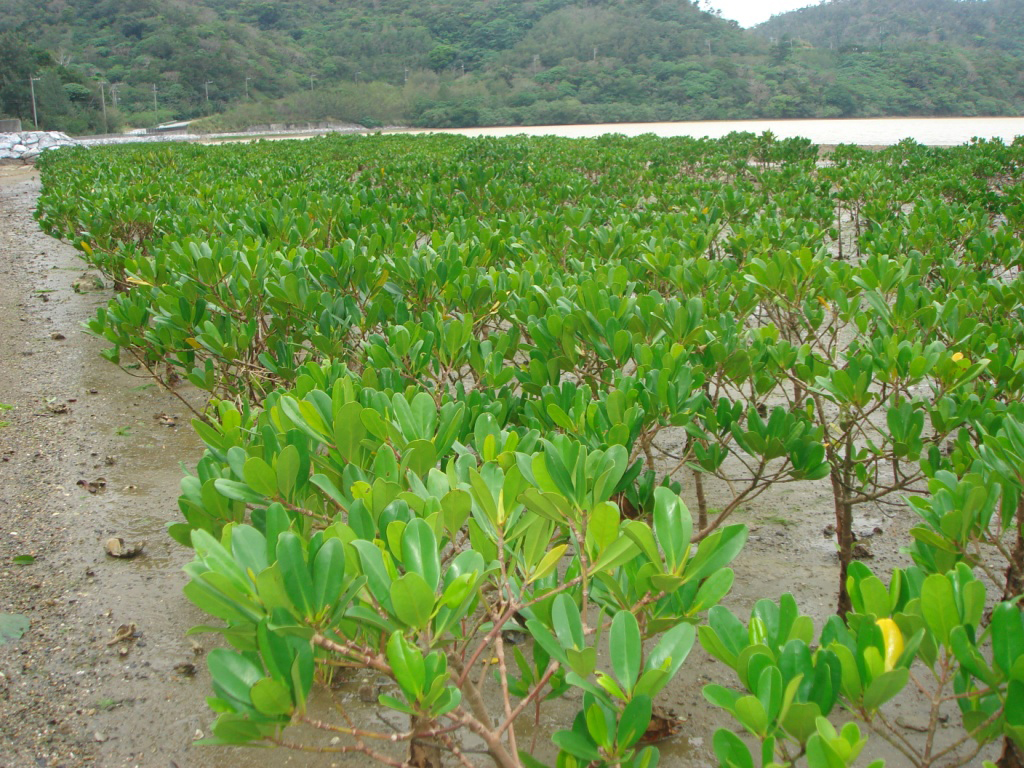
(751, 12)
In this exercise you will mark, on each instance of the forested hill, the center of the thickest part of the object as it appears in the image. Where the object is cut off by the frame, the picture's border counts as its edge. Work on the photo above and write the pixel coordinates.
(996, 25)
(477, 62)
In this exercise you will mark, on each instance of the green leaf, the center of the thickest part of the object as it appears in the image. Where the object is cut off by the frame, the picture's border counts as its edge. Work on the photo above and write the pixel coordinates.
(325, 484)
(396, 704)
(23, 559)
(547, 641)
(711, 592)
(419, 552)
(750, 712)
(620, 551)
(800, 720)
(233, 675)
(673, 526)
(672, 649)
(419, 457)
(938, 605)
(260, 476)
(288, 469)
(548, 562)
(456, 506)
(603, 526)
(529, 761)
(295, 573)
(328, 573)
(730, 750)
(12, 627)
(408, 666)
(413, 600)
(716, 551)
(565, 617)
(249, 548)
(238, 491)
(577, 745)
(599, 724)
(582, 661)
(1014, 707)
(641, 535)
(270, 697)
(231, 729)
(967, 654)
(884, 687)
(371, 561)
(633, 722)
(1007, 635)
(625, 649)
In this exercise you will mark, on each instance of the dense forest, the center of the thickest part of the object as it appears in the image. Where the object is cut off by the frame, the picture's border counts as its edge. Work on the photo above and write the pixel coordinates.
(101, 65)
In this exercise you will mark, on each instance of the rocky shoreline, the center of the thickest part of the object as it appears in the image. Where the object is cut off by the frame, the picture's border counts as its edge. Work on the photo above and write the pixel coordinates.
(27, 145)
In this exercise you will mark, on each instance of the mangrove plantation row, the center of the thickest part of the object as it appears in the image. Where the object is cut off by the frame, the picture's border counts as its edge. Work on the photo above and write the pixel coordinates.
(451, 390)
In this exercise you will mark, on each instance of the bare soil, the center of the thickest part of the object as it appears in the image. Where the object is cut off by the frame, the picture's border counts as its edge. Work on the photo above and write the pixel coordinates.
(106, 675)
(70, 694)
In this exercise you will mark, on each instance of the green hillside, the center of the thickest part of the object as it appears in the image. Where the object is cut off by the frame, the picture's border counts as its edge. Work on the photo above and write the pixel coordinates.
(473, 62)
(973, 25)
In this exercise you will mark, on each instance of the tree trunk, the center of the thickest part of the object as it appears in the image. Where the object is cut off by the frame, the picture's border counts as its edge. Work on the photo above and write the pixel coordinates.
(1012, 756)
(702, 502)
(1015, 570)
(844, 537)
(421, 753)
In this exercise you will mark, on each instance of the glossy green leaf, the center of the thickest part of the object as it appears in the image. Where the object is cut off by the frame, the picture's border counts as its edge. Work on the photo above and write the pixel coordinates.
(271, 697)
(412, 600)
(625, 649)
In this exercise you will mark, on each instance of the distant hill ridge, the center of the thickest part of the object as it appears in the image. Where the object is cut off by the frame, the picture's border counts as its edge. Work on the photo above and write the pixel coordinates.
(103, 64)
(973, 24)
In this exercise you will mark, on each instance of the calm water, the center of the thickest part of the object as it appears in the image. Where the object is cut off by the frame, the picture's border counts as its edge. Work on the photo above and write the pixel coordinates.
(937, 131)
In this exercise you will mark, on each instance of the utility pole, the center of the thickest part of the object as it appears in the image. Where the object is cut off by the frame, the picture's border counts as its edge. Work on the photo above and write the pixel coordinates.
(103, 101)
(207, 86)
(155, 107)
(247, 87)
(113, 93)
(311, 79)
(407, 74)
(32, 88)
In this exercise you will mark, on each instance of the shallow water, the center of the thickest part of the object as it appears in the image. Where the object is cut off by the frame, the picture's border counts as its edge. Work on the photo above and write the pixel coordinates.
(936, 131)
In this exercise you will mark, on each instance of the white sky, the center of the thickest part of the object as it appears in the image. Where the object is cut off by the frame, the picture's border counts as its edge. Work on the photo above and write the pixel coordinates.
(751, 12)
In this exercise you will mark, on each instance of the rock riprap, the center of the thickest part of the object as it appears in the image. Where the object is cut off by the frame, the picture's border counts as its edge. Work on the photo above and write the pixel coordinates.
(29, 144)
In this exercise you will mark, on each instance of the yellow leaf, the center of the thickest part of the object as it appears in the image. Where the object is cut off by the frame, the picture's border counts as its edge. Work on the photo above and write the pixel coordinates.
(893, 640)
(193, 343)
(957, 357)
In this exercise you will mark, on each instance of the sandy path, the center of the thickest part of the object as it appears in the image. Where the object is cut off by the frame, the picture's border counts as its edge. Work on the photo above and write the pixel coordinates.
(68, 698)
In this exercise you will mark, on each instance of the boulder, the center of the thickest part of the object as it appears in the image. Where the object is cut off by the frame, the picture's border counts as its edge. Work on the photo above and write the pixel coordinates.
(28, 145)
